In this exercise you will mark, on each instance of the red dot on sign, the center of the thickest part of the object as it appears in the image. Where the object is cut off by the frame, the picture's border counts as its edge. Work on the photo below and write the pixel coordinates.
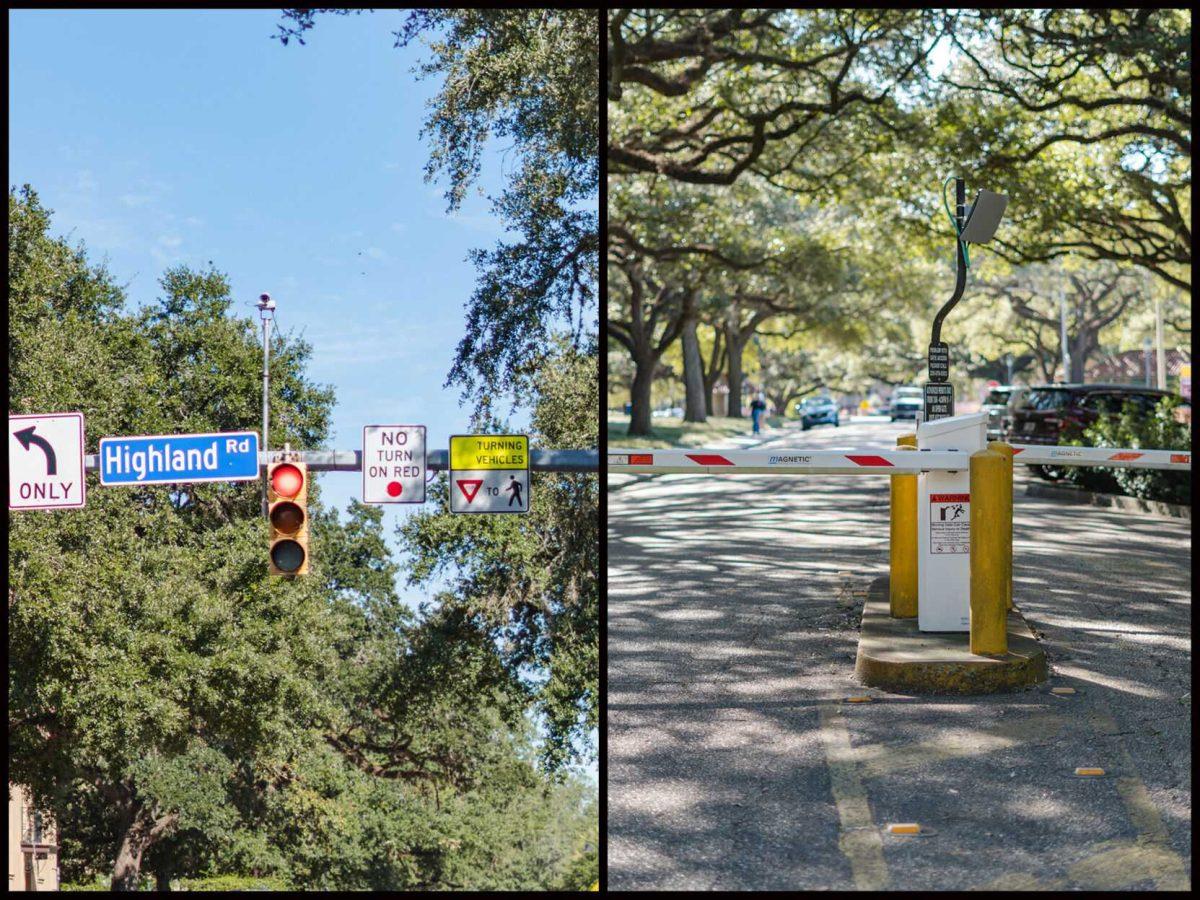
(394, 488)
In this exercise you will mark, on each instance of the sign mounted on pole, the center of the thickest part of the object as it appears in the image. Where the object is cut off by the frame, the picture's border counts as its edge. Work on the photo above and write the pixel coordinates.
(45, 461)
(939, 401)
(393, 464)
(939, 361)
(179, 458)
(489, 473)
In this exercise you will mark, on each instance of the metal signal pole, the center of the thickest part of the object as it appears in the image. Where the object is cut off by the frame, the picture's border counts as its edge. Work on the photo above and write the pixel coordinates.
(266, 311)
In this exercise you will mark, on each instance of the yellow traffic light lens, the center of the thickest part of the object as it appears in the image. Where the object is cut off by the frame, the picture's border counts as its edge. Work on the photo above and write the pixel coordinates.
(287, 480)
(287, 517)
(288, 556)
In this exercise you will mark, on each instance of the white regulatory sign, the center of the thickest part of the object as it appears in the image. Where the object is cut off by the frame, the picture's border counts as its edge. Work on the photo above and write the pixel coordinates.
(489, 491)
(393, 464)
(949, 523)
(45, 461)
(489, 473)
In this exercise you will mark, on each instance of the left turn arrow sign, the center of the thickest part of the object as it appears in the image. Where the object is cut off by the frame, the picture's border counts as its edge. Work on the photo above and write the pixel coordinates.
(27, 436)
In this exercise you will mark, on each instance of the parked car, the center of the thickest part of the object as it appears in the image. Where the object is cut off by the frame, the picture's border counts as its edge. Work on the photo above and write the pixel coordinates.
(1000, 404)
(906, 402)
(817, 411)
(1052, 412)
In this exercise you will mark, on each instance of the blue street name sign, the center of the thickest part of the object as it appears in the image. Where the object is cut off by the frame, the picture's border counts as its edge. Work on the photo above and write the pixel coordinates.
(179, 458)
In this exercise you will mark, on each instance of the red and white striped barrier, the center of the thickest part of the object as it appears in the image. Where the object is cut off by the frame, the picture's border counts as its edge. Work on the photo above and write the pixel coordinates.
(875, 461)
(1112, 457)
(788, 462)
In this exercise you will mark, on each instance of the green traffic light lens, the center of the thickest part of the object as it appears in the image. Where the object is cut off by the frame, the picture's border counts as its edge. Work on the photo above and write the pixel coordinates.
(288, 556)
(287, 517)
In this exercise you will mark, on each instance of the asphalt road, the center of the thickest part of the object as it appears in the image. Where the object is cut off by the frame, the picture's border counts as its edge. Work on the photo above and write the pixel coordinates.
(734, 762)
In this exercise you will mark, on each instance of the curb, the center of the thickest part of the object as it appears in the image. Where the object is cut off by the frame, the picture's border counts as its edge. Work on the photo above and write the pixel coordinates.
(894, 655)
(1073, 494)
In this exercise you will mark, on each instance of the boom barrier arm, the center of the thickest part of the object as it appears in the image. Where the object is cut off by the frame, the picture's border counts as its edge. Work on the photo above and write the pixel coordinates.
(788, 462)
(1109, 457)
(876, 461)
(438, 460)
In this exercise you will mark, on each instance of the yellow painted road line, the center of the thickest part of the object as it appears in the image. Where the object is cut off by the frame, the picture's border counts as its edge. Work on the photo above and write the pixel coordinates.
(1108, 866)
(1154, 852)
(859, 840)
(1019, 881)
(880, 760)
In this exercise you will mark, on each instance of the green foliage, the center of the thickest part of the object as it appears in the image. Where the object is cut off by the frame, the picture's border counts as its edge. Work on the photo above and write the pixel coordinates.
(232, 883)
(583, 872)
(1083, 117)
(531, 586)
(529, 582)
(314, 732)
(1133, 428)
(528, 77)
(723, 122)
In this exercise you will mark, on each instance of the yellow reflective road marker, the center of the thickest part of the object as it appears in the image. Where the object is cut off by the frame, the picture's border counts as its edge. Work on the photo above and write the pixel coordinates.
(1086, 771)
(904, 828)
(1062, 690)
(858, 699)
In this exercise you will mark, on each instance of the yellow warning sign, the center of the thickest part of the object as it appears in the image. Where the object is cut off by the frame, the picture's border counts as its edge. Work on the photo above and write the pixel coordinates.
(489, 451)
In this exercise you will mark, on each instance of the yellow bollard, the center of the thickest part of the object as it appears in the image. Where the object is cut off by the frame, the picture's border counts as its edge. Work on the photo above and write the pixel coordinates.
(902, 590)
(989, 611)
(1007, 450)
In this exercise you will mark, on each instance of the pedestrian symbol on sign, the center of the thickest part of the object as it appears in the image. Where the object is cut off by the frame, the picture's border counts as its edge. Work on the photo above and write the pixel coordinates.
(958, 511)
(514, 489)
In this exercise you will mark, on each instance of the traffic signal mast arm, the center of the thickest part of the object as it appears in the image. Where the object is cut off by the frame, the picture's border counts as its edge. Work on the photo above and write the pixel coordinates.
(438, 460)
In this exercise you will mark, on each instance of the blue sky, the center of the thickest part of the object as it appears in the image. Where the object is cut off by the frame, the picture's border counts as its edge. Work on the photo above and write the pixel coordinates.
(173, 136)
(161, 137)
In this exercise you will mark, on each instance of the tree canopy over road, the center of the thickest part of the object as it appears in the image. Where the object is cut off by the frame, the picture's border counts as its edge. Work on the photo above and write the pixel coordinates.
(735, 135)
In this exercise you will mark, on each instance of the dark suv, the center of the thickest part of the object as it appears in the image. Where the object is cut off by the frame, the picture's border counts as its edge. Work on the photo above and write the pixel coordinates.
(1054, 411)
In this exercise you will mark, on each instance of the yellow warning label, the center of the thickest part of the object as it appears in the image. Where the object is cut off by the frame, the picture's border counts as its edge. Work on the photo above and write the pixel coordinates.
(489, 451)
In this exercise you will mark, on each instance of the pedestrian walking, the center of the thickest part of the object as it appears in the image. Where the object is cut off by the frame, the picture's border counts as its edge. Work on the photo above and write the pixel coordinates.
(757, 408)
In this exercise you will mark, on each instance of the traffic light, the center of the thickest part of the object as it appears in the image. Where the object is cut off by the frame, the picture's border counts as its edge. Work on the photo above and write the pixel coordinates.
(287, 498)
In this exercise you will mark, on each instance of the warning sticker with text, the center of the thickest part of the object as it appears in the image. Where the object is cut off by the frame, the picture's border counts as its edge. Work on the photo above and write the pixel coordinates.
(949, 523)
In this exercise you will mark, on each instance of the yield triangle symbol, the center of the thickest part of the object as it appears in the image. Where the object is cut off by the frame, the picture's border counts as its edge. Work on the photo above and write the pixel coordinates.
(469, 487)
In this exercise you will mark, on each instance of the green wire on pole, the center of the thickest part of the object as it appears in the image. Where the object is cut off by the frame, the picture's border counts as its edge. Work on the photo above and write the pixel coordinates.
(954, 223)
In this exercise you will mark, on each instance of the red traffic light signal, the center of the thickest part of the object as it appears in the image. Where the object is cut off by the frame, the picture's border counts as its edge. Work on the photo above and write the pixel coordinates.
(287, 499)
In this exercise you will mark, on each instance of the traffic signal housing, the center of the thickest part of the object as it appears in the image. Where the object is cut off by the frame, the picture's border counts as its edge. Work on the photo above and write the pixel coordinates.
(287, 514)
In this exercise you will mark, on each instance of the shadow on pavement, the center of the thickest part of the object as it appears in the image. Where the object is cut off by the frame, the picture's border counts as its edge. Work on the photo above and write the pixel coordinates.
(733, 608)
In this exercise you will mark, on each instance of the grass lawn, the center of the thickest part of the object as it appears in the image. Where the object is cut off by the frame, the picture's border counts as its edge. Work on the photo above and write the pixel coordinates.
(672, 432)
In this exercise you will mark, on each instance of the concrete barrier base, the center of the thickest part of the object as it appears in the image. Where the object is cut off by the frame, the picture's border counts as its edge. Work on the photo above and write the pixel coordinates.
(895, 656)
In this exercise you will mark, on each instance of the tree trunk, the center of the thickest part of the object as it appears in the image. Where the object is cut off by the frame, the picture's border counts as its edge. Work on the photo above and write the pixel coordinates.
(693, 371)
(639, 394)
(713, 372)
(1081, 351)
(162, 879)
(736, 344)
(141, 830)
